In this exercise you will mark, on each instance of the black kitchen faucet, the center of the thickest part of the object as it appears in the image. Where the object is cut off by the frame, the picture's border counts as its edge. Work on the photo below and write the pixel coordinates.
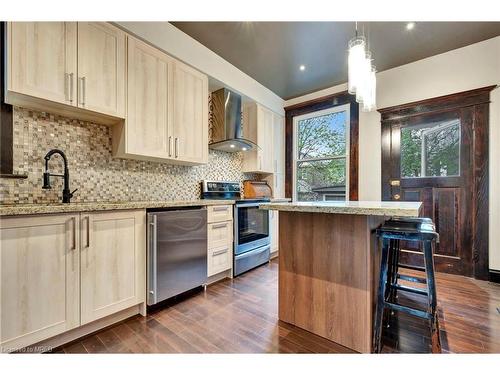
(67, 195)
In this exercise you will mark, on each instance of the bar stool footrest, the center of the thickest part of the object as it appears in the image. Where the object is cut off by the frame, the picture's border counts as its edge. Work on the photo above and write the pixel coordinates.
(408, 310)
(409, 267)
(413, 279)
(409, 289)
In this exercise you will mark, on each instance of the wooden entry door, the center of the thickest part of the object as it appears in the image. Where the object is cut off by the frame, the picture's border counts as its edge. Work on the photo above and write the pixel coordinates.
(436, 152)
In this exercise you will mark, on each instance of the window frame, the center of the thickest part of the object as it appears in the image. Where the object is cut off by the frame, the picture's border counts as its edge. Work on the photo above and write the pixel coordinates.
(295, 160)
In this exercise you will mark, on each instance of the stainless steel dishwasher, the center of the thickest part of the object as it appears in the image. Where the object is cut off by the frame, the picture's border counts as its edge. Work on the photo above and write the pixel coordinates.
(177, 252)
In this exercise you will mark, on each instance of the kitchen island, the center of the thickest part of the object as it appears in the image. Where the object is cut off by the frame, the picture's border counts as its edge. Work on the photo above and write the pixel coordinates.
(328, 266)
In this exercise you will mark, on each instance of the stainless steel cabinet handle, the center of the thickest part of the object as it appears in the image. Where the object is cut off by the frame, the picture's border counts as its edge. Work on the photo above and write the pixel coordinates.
(216, 226)
(72, 222)
(170, 146)
(71, 76)
(73, 219)
(88, 231)
(82, 90)
(66, 87)
(153, 252)
(221, 208)
(219, 252)
(176, 147)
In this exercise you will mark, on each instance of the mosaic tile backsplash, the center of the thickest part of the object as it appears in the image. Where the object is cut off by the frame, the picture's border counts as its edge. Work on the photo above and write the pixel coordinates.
(97, 175)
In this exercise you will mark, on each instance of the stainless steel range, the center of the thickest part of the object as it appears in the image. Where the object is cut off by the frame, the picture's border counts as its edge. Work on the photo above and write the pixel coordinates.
(252, 243)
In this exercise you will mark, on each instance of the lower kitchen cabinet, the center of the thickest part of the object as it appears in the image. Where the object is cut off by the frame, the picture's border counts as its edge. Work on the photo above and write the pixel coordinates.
(220, 239)
(219, 259)
(113, 262)
(39, 278)
(58, 272)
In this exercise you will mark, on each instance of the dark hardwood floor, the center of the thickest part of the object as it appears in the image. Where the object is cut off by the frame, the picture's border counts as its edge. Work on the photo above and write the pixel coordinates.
(240, 316)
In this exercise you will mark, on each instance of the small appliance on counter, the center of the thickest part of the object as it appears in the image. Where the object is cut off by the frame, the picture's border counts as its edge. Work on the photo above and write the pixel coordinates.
(256, 189)
(252, 242)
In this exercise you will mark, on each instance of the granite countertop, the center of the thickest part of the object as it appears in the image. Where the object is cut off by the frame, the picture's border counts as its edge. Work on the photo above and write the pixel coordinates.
(52, 208)
(372, 208)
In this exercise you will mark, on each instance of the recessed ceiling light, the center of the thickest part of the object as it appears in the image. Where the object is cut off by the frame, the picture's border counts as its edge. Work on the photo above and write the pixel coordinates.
(232, 146)
(244, 148)
(410, 25)
(302, 67)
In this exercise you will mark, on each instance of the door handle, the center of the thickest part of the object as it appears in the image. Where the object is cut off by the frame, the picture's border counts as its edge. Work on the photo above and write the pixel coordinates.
(170, 146)
(397, 197)
(395, 183)
(176, 147)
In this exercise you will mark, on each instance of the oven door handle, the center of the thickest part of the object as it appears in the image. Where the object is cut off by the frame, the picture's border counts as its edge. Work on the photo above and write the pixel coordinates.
(250, 204)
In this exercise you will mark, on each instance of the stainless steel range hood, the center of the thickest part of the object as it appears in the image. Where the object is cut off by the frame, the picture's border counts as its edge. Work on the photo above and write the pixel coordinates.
(227, 134)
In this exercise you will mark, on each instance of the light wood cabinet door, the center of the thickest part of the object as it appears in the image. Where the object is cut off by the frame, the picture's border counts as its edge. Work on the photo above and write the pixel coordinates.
(190, 129)
(113, 262)
(149, 101)
(39, 278)
(101, 68)
(278, 144)
(220, 259)
(220, 234)
(265, 133)
(42, 60)
(258, 127)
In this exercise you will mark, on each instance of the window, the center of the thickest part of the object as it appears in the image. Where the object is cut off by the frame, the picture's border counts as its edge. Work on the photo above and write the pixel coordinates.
(431, 150)
(321, 149)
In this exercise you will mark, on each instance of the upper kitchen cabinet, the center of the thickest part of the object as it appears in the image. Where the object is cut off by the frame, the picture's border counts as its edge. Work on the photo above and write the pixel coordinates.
(42, 61)
(258, 128)
(147, 132)
(167, 109)
(190, 130)
(68, 68)
(278, 144)
(101, 68)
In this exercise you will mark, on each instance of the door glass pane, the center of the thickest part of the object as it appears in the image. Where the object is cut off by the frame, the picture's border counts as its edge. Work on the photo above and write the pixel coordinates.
(253, 224)
(321, 180)
(431, 150)
(322, 136)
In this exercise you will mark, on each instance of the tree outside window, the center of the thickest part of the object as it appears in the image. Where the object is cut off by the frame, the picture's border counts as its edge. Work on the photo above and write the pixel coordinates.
(321, 155)
(431, 150)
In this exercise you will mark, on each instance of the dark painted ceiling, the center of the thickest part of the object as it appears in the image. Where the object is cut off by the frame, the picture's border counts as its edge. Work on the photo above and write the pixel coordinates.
(271, 52)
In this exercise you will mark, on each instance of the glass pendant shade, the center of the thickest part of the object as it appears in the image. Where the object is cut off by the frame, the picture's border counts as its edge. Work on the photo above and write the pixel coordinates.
(362, 80)
(369, 102)
(356, 57)
(363, 87)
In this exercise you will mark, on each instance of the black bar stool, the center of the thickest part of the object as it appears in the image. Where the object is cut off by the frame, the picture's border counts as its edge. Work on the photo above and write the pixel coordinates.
(391, 233)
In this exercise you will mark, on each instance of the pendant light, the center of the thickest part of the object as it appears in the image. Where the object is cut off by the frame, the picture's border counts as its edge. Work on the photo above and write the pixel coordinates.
(362, 79)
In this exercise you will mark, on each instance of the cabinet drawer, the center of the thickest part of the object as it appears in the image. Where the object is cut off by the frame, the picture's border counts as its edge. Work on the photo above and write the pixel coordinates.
(220, 213)
(219, 259)
(220, 234)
